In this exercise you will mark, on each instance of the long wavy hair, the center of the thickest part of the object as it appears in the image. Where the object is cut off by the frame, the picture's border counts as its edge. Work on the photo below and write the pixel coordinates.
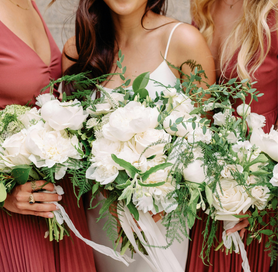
(250, 37)
(95, 38)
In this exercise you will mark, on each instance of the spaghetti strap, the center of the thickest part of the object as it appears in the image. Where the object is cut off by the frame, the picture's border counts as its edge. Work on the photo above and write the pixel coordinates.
(169, 39)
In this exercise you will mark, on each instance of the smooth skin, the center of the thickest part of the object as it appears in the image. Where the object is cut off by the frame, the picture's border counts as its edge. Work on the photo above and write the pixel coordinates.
(27, 25)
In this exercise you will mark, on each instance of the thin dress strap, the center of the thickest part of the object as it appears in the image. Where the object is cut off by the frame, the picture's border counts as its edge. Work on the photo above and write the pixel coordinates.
(169, 39)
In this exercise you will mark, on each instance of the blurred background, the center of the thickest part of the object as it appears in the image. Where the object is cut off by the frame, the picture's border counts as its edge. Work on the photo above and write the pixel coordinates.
(60, 16)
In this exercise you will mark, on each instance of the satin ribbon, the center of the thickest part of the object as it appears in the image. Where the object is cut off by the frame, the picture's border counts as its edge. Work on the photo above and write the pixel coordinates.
(61, 216)
(235, 239)
(160, 259)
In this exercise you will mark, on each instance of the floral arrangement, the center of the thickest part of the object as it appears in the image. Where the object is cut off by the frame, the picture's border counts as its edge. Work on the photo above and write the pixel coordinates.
(165, 155)
(36, 145)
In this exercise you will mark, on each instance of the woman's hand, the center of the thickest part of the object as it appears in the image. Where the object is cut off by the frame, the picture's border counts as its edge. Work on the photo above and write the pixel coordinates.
(240, 226)
(18, 200)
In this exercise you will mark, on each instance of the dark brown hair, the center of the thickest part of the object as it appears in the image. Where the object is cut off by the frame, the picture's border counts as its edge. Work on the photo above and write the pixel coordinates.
(95, 39)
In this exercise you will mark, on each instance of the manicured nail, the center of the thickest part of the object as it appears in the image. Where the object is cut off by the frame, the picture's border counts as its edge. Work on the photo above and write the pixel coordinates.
(228, 233)
(59, 198)
(50, 215)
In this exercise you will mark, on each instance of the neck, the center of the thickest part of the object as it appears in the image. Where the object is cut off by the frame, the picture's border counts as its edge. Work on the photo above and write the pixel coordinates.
(129, 27)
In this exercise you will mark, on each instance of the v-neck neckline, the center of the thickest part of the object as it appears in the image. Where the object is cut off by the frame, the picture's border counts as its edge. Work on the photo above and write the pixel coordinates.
(28, 46)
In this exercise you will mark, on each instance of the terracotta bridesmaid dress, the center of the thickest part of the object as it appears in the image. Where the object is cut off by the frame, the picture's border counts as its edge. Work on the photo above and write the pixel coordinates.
(23, 247)
(267, 83)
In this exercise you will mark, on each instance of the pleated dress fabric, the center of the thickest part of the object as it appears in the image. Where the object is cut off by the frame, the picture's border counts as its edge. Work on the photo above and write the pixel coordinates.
(267, 83)
(23, 247)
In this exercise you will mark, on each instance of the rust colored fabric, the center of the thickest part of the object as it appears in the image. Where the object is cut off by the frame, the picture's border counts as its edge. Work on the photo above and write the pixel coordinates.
(267, 83)
(23, 247)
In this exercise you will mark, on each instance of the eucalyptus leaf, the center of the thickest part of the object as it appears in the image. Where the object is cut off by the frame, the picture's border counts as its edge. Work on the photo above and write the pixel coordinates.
(141, 81)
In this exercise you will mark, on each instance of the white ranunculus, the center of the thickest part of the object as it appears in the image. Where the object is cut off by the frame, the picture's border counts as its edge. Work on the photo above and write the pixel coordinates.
(62, 115)
(255, 120)
(43, 98)
(48, 147)
(260, 195)
(195, 171)
(125, 122)
(230, 169)
(30, 117)
(274, 179)
(14, 151)
(169, 92)
(183, 131)
(243, 110)
(220, 118)
(147, 141)
(268, 143)
(232, 200)
(231, 138)
(197, 135)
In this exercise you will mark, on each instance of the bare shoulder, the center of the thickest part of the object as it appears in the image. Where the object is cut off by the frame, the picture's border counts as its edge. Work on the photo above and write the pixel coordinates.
(69, 53)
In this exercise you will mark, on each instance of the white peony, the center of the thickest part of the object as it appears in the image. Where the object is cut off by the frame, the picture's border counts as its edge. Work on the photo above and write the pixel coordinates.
(43, 98)
(260, 195)
(125, 122)
(62, 115)
(30, 117)
(13, 151)
(268, 143)
(48, 147)
(243, 110)
(274, 179)
(232, 200)
(255, 120)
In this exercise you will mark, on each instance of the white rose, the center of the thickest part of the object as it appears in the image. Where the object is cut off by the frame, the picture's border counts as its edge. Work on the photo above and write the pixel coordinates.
(62, 115)
(125, 122)
(169, 92)
(30, 117)
(43, 98)
(230, 169)
(255, 120)
(48, 148)
(220, 118)
(274, 179)
(232, 200)
(14, 152)
(268, 143)
(243, 110)
(231, 138)
(261, 195)
(147, 141)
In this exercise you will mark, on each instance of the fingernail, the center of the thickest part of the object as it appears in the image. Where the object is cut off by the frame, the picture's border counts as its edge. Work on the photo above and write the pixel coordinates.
(59, 198)
(50, 215)
(228, 233)
(57, 208)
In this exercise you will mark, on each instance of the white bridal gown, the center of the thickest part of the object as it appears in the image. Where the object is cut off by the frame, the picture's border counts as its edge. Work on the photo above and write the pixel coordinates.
(104, 263)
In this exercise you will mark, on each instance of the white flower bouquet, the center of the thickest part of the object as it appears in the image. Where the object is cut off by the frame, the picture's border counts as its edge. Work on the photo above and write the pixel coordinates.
(37, 145)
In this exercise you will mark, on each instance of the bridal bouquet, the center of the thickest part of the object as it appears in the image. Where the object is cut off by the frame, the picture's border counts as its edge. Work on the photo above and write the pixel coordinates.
(37, 145)
(241, 173)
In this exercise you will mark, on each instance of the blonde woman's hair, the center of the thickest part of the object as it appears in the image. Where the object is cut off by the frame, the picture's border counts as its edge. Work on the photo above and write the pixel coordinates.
(247, 37)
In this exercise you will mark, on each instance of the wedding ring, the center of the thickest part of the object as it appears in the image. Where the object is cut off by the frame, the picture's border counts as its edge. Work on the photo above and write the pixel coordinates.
(33, 185)
(31, 199)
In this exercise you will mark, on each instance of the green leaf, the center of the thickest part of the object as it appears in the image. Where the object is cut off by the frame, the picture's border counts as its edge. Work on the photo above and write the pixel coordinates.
(232, 81)
(108, 202)
(142, 92)
(123, 185)
(209, 195)
(133, 211)
(151, 184)
(274, 203)
(21, 174)
(179, 120)
(95, 187)
(141, 81)
(241, 215)
(266, 232)
(155, 169)
(126, 165)
(3, 192)
(34, 174)
(122, 177)
(260, 173)
(260, 159)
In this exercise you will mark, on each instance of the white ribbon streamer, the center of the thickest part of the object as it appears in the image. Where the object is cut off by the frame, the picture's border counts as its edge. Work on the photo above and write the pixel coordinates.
(160, 259)
(235, 239)
(61, 216)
